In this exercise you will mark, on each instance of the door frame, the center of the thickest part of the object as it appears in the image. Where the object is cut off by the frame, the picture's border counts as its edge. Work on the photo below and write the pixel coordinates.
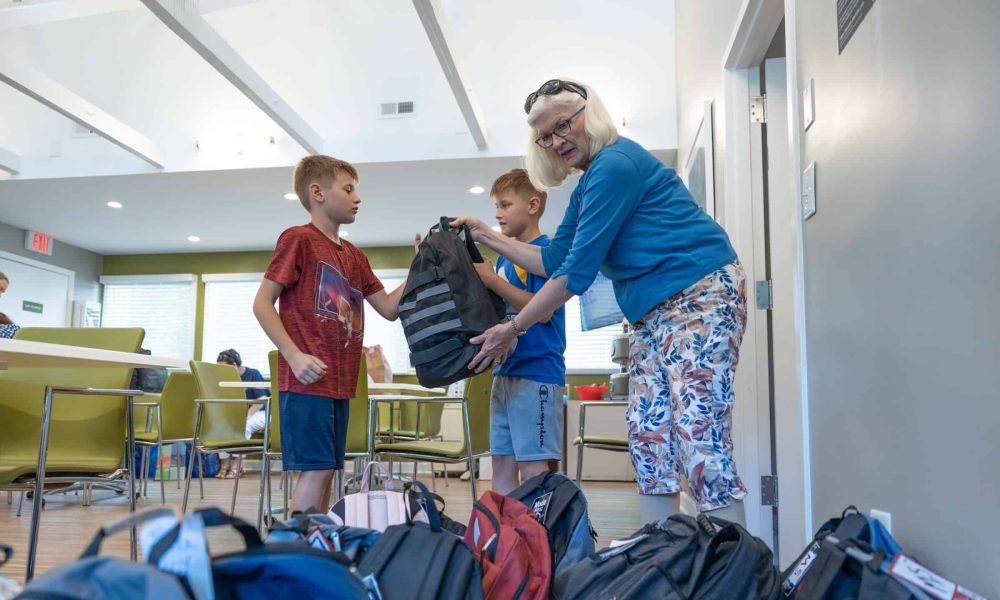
(752, 34)
(71, 275)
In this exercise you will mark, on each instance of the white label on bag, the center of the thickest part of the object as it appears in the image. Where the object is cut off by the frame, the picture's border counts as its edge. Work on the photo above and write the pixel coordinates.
(915, 573)
(800, 570)
(541, 507)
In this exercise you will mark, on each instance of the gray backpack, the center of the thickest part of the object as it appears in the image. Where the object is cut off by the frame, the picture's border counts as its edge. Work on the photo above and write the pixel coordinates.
(96, 576)
(444, 305)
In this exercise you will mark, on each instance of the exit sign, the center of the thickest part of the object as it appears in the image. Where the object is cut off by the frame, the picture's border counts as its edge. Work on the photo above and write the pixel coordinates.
(38, 242)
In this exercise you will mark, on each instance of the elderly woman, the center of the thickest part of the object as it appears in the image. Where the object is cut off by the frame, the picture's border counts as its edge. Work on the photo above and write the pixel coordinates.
(676, 279)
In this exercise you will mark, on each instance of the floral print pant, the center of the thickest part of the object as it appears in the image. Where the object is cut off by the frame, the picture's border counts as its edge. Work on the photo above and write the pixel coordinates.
(682, 362)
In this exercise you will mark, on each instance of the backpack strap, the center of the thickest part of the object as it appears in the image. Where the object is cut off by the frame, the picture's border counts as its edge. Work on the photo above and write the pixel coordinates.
(434, 352)
(133, 520)
(431, 291)
(430, 311)
(429, 331)
(424, 277)
(464, 235)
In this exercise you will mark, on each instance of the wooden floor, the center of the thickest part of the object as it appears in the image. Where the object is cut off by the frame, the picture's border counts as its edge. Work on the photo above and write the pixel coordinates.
(67, 526)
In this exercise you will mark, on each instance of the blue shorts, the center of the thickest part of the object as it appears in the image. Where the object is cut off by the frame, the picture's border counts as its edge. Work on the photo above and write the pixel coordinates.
(526, 419)
(313, 432)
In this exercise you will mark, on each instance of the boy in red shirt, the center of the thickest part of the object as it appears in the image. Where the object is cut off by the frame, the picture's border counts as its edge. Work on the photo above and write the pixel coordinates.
(321, 281)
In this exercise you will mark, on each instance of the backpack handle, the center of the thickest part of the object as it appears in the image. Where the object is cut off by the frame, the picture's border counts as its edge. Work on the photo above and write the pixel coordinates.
(367, 477)
(133, 520)
(211, 517)
(445, 225)
(433, 517)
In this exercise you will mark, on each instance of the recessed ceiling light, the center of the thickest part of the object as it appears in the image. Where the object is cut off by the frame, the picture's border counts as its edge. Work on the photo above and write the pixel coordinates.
(477, 189)
(114, 204)
(194, 238)
(343, 234)
(495, 228)
(291, 196)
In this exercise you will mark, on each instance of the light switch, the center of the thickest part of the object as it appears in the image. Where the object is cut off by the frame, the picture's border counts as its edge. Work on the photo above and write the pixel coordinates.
(808, 105)
(809, 191)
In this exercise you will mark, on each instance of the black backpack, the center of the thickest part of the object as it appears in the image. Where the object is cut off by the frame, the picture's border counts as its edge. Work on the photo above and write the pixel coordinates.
(679, 557)
(559, 505)
(444, 305)
(422, 561)
(148, 379)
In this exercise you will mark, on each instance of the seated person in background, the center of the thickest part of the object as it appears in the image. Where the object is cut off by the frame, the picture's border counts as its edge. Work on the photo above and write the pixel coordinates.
(255, 416)
(7, 327)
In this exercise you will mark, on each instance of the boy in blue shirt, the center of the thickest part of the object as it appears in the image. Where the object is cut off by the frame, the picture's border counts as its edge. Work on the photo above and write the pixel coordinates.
(526, 410)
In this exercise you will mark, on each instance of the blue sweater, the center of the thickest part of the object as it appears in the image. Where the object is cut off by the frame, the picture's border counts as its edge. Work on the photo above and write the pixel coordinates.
(632, 218)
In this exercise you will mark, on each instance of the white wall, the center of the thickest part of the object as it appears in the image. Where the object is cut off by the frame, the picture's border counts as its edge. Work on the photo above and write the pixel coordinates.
(902, 274)
(87, 265)
(703, 28)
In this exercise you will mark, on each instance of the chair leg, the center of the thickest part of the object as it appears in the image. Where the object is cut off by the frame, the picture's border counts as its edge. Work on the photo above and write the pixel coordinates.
(579, 464)
(434, 483)
(177, 459)
(163, 476)
(338, 487)
(286, 480)
(20, 503)
(201, 473)
(144, 470)
(187, 480)
(236, 483)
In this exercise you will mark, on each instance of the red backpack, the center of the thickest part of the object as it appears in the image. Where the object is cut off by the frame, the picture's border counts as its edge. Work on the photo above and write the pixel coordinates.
(512, 548)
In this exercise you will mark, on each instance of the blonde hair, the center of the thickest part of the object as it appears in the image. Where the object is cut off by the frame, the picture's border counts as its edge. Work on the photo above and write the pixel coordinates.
(517, 181)
(318, 168)
(545, 170)
(4, 277)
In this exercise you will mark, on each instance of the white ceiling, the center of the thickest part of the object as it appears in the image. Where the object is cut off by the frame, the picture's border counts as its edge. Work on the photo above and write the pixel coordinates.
(328, 64)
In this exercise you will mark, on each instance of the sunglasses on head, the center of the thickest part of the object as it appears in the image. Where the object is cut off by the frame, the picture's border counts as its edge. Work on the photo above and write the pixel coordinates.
(551, 88)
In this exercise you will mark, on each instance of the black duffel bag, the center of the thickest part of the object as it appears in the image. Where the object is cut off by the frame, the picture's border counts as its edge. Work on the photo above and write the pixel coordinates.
(679, 557)
(444, 305)
(422, 561)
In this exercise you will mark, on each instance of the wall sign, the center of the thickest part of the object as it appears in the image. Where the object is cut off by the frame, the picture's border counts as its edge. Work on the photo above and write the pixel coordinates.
(29, 306)
(850, 14)
(38, 242)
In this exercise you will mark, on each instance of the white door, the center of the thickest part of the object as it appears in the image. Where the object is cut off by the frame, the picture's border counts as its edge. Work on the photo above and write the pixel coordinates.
(39, 295)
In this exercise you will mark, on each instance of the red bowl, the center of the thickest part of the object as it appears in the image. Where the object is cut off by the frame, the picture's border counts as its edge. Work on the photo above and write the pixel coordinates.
(591, 392)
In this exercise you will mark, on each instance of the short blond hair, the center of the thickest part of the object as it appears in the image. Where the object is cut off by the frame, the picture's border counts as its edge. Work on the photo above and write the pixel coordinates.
(517, 181)
(545, 171)
(4, 277)
(318, 168)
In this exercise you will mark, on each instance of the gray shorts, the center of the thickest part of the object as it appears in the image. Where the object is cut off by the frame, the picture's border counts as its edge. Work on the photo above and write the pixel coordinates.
(526, 419)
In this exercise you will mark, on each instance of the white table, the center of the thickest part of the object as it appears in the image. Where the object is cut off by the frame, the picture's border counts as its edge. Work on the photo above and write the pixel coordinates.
(403, 387)
(246, 385)
(24, 353)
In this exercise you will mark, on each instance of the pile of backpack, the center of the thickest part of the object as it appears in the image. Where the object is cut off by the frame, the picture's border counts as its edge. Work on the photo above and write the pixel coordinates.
(535, 543)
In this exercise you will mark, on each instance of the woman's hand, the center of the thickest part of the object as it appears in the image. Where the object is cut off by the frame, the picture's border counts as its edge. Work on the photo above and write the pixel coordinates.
(497, 343)
(476, 226)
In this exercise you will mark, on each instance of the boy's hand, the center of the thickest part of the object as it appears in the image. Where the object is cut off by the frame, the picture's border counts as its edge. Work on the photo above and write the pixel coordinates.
(476, 226)
(416, 243)
(486, 271)
(307, 368)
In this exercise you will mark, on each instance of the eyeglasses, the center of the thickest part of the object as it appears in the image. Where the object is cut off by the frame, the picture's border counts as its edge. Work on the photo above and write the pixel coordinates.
(562, 129)
(551, 88)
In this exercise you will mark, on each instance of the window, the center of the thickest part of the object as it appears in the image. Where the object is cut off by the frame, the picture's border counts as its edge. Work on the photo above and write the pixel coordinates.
(588, 351)
(388, 334)
(230, 322)
(163, 305)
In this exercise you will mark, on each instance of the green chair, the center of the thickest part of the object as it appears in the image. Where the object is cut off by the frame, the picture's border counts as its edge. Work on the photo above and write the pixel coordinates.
(273, 451)
(81, 439)
(220, 425)
(592, 441)
(476, 439)
(168, 419)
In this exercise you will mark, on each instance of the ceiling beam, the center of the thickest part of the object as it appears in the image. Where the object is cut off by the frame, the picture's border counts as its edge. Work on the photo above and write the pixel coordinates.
(430, 17)
(49, 92)
(28, 15)
(183, 18)
(9, 162)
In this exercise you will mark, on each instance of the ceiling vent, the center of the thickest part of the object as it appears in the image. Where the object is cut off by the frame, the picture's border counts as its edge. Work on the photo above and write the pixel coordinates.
(396, 110)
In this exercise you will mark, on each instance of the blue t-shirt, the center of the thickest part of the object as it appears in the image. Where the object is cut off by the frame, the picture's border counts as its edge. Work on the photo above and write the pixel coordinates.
(539, 352)
(632, 218)
(254, 375)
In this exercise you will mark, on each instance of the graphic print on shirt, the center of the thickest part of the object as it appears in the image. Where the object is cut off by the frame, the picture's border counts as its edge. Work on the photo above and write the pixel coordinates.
(337, 300)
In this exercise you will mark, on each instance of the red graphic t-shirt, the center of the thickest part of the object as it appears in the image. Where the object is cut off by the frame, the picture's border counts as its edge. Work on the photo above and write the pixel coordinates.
(322, 306)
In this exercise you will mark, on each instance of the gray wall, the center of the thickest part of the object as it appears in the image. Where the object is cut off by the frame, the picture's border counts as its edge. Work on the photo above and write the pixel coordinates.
(902, 267)
(703, 28)
(86, 264)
